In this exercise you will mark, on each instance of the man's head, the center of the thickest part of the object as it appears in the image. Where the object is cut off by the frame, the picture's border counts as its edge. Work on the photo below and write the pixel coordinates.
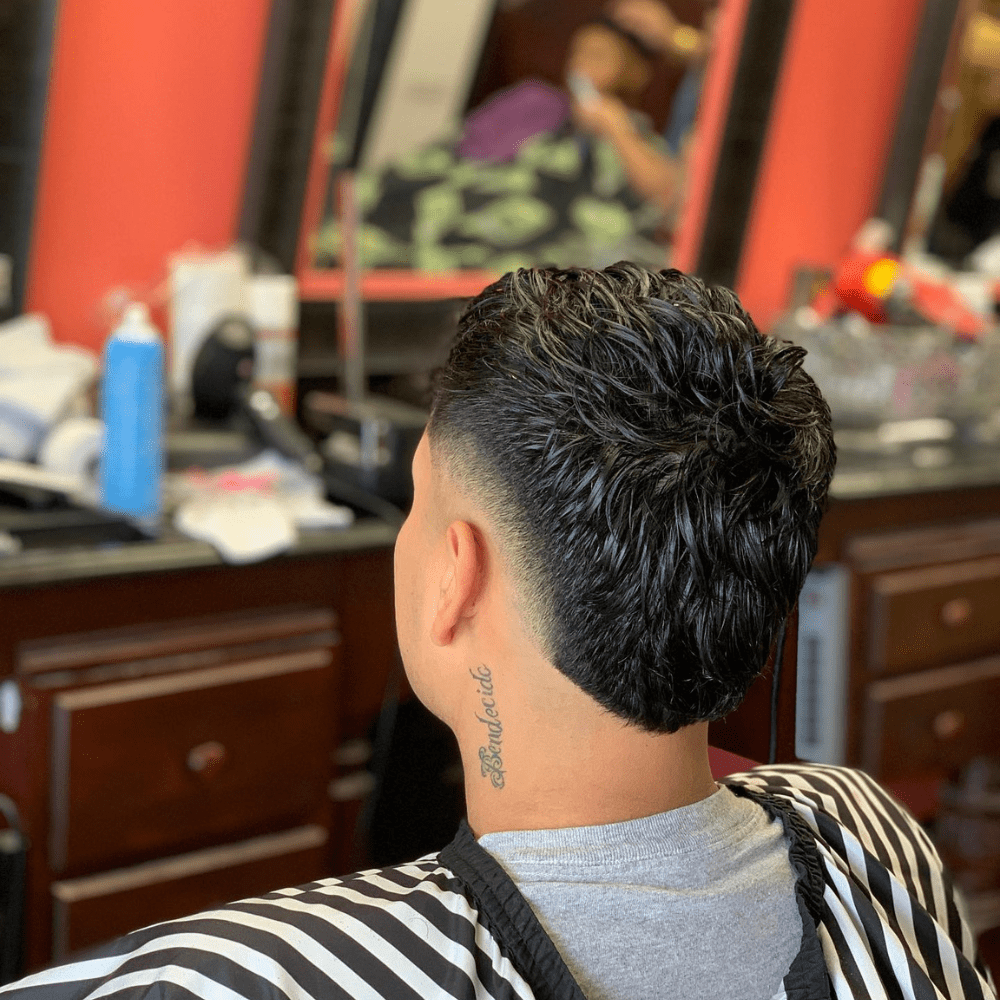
(653, 470)
(615, 60)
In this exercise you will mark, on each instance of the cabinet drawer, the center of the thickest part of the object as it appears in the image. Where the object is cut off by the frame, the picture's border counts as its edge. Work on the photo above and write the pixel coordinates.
(97, 908)
(931, 722)
(163, 764)
(935, 616)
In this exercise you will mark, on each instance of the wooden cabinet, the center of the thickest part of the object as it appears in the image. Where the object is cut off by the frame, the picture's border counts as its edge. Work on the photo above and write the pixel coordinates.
(931, 723)
(911, 675)
(183, 738)
(894, 658)
(902, 677)
(923, 651)
(140, 767)
(100, 907)
(940, 613)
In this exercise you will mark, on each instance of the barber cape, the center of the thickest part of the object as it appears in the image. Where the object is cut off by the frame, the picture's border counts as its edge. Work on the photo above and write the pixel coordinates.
(880, 919)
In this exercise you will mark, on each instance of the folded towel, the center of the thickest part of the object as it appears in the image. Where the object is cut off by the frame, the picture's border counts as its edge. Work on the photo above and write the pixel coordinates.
(39, 380)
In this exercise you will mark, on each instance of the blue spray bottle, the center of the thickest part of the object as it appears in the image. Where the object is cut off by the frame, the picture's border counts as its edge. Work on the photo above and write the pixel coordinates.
(130, 471)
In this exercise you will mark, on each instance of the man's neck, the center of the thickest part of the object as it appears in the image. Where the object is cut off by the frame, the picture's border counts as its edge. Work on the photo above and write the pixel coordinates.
(540, 753)
(554, 777)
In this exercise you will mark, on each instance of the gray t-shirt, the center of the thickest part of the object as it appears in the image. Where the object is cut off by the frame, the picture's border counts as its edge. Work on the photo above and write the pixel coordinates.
(697, 902)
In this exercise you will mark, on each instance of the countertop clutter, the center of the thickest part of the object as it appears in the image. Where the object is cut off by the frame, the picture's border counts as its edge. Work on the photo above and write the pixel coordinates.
(114, 556)
(97, 434)
(187, 683)
(75, 544)
(40, 383)
(237, 514)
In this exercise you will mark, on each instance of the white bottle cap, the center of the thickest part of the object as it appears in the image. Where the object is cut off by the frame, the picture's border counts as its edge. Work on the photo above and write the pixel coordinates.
(136, 326)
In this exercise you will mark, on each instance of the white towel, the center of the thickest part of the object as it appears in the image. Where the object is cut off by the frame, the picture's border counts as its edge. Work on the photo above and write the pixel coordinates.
(39, 381)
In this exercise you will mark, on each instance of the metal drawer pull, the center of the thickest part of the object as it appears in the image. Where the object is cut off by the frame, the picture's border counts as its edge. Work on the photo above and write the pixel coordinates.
(353, 753)
(948, 724)
(352, 787)
(956, 612)
(206, 758)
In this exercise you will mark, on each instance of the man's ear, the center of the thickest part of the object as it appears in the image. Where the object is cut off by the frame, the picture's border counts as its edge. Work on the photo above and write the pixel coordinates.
(461, 581)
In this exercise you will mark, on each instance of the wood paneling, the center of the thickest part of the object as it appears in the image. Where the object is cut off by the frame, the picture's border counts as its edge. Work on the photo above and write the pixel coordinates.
(138, 677)
(95, 648)
(931, 722)
(145, 767)
(847, 519)
(97, 908)
(934, 616)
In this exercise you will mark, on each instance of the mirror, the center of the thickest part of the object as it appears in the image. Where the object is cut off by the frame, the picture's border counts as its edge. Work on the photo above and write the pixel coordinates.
(26, 33)
(497, 150)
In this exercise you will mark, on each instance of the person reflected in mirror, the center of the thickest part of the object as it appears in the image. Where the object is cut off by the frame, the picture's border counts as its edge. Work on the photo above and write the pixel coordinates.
(656, 25)
(540, 174)
(607, 69)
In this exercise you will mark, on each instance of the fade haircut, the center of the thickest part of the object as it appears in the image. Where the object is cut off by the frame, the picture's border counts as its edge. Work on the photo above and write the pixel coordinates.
(656, 470)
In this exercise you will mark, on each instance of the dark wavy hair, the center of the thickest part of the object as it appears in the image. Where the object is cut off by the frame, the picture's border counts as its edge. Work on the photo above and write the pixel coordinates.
(656, 470)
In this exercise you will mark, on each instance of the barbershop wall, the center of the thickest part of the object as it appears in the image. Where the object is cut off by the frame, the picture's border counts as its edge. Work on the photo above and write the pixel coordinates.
(831, 127)
(151, 106)
(150, 109)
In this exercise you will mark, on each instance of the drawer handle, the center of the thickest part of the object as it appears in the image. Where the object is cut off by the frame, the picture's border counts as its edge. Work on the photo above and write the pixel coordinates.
(352, 787)
(956, 612)
(948, 724)
(206, 758)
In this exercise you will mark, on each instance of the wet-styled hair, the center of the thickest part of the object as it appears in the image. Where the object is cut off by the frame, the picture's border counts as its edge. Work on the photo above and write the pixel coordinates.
(656, 471)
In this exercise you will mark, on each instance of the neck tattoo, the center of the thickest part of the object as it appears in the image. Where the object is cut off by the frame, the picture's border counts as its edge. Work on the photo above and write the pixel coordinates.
(490, 755)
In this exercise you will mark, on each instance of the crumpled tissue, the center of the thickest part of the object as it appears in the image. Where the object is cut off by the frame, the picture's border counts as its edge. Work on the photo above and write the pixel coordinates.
(255, 510)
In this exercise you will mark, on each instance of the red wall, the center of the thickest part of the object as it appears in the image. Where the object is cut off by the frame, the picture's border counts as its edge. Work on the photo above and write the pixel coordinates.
(151, 106)
(150, 109)
(835, 108)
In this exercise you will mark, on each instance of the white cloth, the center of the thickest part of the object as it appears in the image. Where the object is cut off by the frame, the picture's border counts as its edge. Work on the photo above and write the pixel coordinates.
(255, 510)
(39, 381)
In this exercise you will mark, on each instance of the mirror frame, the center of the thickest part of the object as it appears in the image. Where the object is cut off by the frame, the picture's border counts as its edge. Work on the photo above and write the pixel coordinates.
(923, 118)
(744, 66)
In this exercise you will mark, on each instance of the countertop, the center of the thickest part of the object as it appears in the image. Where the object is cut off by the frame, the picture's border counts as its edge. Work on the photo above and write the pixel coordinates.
(171, 551)
(924, 469)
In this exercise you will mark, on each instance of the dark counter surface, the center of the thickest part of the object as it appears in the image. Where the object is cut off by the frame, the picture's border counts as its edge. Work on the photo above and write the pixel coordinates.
(924, 469)
(171, 551)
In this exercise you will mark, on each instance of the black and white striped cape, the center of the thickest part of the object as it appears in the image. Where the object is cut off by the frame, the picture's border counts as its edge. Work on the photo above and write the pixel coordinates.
(880, 920)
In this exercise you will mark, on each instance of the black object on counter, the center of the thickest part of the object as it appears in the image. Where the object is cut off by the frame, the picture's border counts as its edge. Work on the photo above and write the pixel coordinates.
(13, 853)
(223, 395)
(25, 497)
(369, 442)
(223, 365)
(221, 388)
(68, 527)
(275, 429)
